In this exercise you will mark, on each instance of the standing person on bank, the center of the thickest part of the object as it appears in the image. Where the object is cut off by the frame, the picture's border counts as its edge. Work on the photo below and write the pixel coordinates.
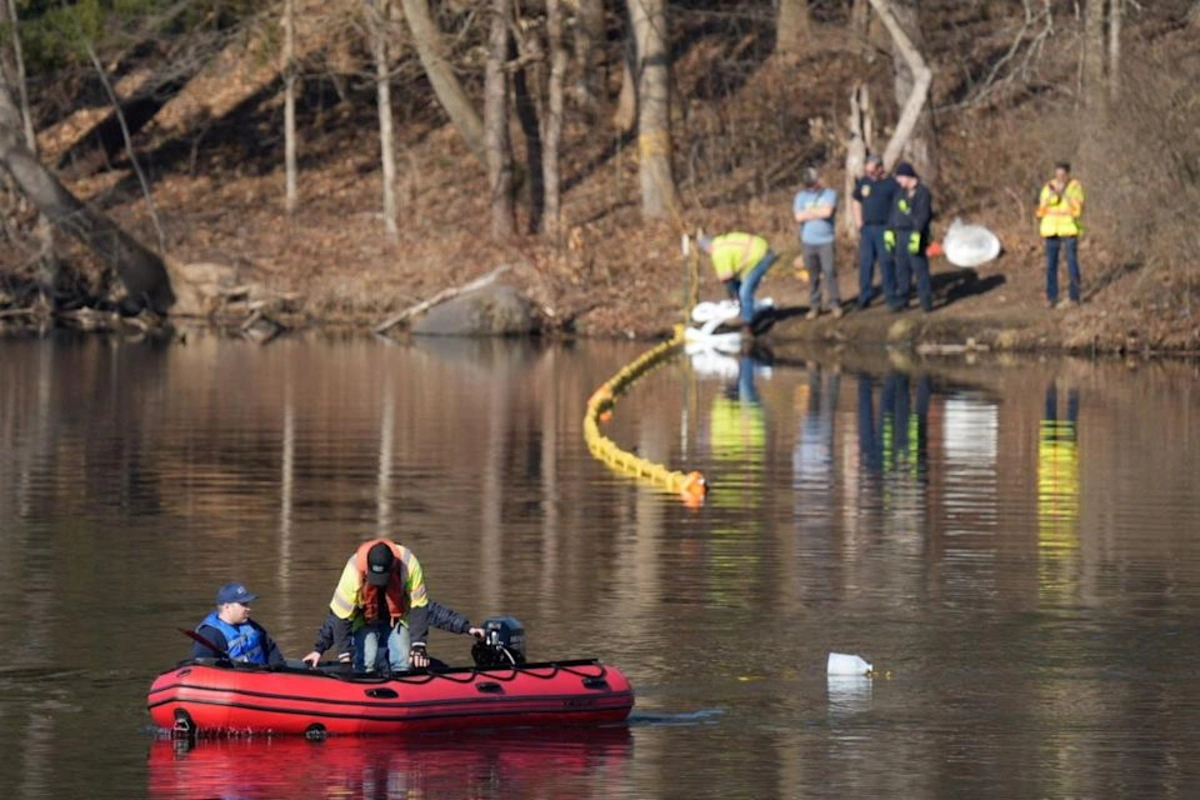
(908, 236)
(814, 208)
(874, 194)
(1060, 209)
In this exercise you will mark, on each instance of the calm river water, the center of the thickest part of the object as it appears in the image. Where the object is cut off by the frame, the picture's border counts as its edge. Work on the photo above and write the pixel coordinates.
(1014, 542)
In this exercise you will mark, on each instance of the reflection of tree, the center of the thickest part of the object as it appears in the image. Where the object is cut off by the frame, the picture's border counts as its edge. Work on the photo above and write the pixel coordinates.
(1058, 494)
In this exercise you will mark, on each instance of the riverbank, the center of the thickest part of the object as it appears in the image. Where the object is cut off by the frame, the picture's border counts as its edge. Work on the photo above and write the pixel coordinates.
(218, 186)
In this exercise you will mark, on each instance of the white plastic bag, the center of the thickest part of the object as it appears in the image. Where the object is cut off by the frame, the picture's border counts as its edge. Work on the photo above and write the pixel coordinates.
(968, 245)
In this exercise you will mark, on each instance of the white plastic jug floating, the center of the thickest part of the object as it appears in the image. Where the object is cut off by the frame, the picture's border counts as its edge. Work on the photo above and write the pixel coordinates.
(843, 664)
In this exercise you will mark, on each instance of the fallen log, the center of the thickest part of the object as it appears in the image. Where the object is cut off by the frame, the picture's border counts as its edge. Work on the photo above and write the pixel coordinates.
(441, 297)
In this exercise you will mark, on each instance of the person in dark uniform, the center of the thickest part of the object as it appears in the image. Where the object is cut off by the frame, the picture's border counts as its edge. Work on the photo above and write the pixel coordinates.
(907, 236)
(873, 196)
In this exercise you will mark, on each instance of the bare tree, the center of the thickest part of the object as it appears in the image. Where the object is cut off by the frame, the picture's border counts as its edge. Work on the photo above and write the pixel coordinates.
(495, 121)
(291, 193)
(1093, 54)
(589, 37)
(525, 52)
(1116, 13)
(914, 130)
(653, 73)
(793, 28)
(47, 259)
(128, 139)
(552, 137)
(141, 270)
(428, 41)
(378, 16)
(858, 144)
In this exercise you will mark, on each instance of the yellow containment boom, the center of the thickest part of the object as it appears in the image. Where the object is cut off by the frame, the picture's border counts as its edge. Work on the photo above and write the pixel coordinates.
(691, 487)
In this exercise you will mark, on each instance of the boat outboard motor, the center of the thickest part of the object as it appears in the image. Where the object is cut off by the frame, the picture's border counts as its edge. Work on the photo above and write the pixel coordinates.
(503, 643)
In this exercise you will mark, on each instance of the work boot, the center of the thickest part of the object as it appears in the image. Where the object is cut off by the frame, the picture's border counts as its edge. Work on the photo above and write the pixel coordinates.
(1065, 304)
(837, 312)
(813, 313)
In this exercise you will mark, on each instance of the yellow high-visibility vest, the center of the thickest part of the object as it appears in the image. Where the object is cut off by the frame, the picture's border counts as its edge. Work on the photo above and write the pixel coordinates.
(735, 254)
(1060, 213)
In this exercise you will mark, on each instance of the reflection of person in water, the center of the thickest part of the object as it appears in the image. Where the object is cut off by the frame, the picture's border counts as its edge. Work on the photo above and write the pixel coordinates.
(812, 458)
(1058, 486)
(897, 441)
(738, 436)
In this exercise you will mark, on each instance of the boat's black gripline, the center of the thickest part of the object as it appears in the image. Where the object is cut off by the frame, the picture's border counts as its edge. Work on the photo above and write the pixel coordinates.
(344, 672)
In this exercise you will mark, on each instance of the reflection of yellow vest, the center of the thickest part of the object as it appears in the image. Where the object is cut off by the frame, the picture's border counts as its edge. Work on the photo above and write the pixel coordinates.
(738, 433)
(1057, 504)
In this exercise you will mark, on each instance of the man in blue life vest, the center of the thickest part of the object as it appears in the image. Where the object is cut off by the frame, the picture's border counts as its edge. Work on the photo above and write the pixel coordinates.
(230, 630)
(874, 195)
(907, 237)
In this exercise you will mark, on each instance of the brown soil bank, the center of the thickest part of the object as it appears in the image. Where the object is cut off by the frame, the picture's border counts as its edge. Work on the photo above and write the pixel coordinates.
(745, 124)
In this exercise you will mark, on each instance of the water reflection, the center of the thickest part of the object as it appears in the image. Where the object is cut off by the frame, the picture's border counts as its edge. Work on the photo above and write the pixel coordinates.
(1036, 606)
(1058, 494)
(495, 764)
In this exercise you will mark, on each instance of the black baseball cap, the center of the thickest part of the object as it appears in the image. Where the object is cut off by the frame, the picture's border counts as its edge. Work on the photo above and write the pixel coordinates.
(379, 564)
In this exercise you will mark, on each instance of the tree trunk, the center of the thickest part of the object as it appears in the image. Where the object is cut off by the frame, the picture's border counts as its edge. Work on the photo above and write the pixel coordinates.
(860, 26)
(858, 144)
(913, 136)
(141, 270)
(291, 194)
(527, 115)
(590, 35)
(378, 19)
(625, 115)
(794, 27)
(1093, 54)
(449, 91)
(552, 222)
(495, 117)
(48, 263)
(653, 72)
(1116, 13)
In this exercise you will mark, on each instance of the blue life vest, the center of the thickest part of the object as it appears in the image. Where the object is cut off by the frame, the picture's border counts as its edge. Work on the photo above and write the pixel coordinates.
(242, 642)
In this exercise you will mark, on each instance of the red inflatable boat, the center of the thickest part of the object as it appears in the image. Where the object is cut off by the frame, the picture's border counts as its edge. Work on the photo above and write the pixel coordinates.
(216, 698)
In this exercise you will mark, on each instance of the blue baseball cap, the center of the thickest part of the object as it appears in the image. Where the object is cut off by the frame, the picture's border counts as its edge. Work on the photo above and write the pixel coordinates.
(235, 593)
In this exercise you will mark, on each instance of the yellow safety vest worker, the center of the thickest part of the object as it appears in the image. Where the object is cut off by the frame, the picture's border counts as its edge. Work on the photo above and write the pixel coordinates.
(735, 254)
(349, 599)
(1060, 212)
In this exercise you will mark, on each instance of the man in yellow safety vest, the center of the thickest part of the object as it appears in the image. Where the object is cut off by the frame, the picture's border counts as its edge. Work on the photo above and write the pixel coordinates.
(1060, 208)
(740, 260)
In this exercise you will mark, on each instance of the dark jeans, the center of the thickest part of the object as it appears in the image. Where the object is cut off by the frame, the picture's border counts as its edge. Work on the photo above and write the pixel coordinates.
(744, 289)
(908, 266)
(1053, 245)
(870, 250)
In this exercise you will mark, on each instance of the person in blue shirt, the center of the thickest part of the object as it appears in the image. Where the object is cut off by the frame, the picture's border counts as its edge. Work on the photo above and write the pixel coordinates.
(874, 196)
(814, 208)
(230, 630)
